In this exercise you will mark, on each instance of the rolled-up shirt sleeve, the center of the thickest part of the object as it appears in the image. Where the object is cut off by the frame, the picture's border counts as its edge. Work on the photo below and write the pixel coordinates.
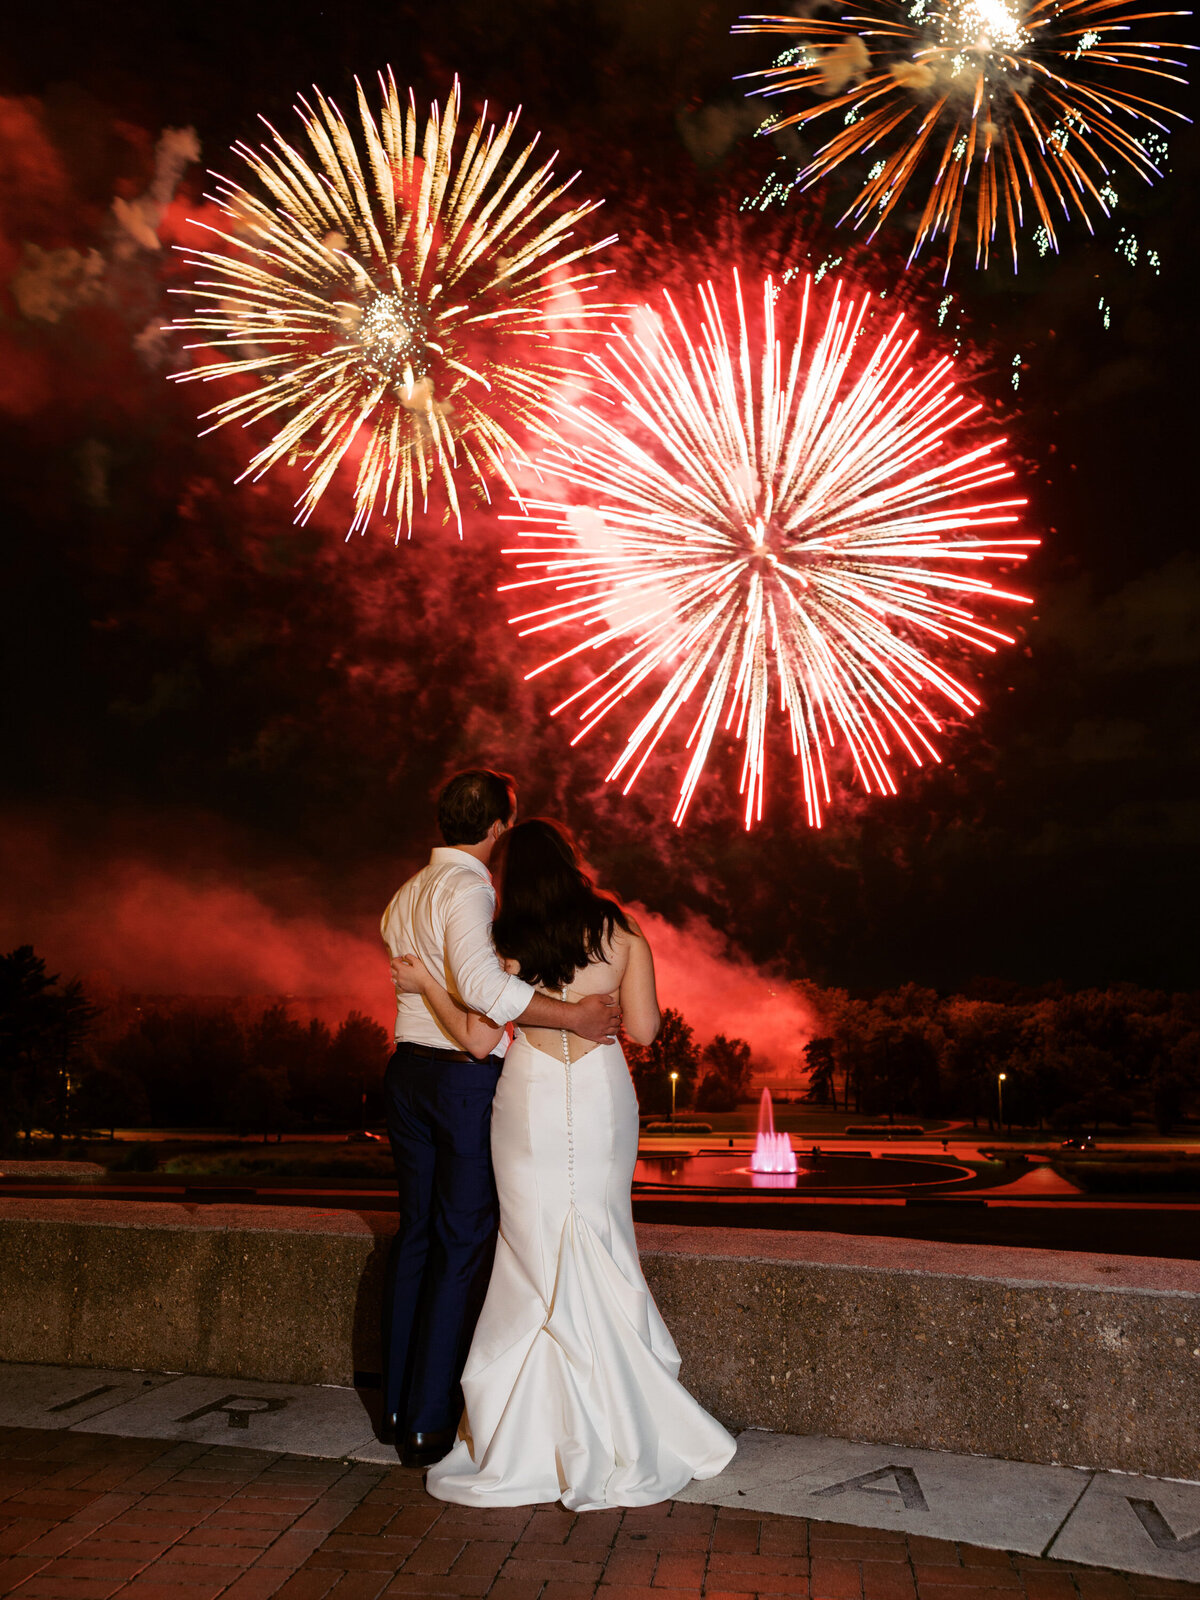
(477, 970)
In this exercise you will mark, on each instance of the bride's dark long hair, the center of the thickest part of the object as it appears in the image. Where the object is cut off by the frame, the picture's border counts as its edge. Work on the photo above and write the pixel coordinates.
(552, 919)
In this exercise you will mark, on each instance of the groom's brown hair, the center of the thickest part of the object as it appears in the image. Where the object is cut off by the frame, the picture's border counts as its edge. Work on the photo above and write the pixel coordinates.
(472, 801)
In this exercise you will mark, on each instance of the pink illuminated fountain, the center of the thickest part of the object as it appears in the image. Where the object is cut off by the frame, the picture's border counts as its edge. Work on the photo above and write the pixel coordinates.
(772, 1151)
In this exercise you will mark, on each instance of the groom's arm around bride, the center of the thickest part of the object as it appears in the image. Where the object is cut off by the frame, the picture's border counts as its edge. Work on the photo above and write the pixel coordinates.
(439, 1097)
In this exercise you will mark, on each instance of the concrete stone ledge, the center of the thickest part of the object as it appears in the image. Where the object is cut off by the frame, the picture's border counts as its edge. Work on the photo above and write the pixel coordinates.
(1031, 1355)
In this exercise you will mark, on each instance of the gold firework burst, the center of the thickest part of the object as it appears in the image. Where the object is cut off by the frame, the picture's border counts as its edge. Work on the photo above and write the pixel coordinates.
(395, 297)
(1004, 106)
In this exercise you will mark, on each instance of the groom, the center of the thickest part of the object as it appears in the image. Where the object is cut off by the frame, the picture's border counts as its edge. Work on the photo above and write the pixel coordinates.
(439, 1110)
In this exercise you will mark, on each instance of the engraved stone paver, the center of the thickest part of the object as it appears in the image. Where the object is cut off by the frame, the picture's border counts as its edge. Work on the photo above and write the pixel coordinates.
(1009, 1505)
(1152, 1524)
(276, 1416)
(184, 1488)
(63, 1397)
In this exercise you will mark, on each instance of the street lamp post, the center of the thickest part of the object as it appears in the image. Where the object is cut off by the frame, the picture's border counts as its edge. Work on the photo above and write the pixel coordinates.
(1000, 1098)
(674, 1081)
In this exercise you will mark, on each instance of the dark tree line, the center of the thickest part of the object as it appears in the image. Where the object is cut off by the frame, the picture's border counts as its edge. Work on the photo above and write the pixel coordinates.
(178, 1064)
(196, 1067)
(1068, 1060)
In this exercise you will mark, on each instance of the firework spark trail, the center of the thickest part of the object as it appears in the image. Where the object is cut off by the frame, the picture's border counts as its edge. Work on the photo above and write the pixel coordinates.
(759, 519)
(1030, 101)
(398, 296)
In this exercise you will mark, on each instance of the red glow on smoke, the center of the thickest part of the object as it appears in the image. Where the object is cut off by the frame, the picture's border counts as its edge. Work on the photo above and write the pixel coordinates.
(145, 926)
(27, 382)
(34, 189)
(236, 659)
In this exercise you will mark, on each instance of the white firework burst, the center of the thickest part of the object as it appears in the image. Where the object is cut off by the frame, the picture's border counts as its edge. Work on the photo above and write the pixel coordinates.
(753, 520)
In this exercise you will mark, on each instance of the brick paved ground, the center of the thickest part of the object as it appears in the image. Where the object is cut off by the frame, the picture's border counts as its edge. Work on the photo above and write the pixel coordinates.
(85, 1516)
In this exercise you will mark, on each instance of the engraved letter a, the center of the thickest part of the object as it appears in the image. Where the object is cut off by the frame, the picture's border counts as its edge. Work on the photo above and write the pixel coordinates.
(906, 1486)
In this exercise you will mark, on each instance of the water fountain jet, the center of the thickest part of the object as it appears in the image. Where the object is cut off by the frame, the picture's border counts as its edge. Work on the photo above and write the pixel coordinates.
(773, 1151)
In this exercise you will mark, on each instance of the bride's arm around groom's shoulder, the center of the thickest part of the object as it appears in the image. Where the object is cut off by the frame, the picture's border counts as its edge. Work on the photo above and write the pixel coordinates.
(640, 1014)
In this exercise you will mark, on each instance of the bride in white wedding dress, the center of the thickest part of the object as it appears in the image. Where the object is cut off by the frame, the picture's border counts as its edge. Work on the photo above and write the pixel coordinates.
(571, 1389)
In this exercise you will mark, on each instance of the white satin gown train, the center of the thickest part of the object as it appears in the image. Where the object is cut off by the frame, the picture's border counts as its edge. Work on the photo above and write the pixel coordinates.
(571, 1384)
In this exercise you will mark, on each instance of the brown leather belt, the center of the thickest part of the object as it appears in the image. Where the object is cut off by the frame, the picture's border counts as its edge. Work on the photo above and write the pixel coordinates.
(432, 1052)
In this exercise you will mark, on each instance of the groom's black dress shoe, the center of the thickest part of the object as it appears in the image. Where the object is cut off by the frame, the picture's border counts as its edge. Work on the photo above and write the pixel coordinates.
(423, 1449)
(389, 1427)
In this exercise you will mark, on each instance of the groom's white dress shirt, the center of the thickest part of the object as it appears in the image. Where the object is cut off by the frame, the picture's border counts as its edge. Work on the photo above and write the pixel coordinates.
(444, 915)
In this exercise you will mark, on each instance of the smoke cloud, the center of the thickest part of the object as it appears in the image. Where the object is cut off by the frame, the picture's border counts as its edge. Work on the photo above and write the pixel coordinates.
(145, 927)
(847, 63)
(34, 189)
(710, 132)
(139, 220)
(49, 281)
(154, 930)
(719, 991)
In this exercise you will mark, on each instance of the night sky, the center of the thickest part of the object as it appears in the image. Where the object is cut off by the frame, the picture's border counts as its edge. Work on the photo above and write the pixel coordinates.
(221, 728)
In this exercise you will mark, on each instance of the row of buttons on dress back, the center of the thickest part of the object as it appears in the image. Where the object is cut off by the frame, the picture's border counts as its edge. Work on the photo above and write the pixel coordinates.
(570, 1113)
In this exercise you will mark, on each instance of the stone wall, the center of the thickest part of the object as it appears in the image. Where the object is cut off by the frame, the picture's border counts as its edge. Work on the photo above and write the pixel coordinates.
(1032, 1355)
(237, 1291)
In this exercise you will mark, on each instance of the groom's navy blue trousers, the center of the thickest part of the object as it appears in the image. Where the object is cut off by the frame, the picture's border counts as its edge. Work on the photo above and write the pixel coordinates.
(439, 1118)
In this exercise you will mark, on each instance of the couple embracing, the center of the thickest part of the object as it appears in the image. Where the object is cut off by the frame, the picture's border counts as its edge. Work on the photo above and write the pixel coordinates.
(568, 1374)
